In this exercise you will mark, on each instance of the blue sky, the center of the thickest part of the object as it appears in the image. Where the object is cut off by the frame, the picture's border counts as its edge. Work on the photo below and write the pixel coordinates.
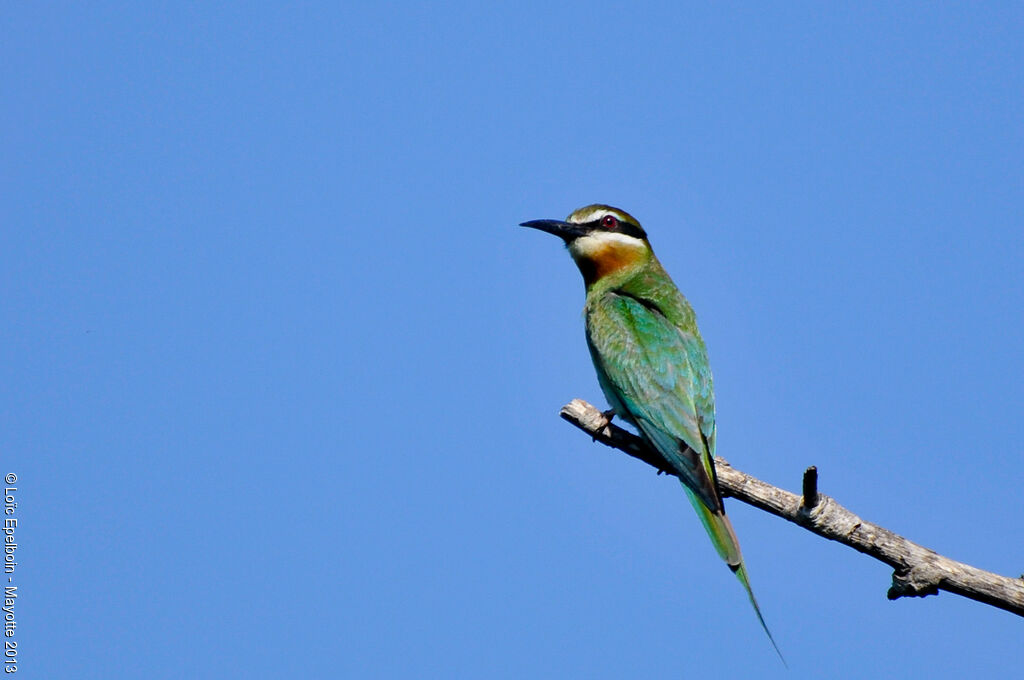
(281, 374)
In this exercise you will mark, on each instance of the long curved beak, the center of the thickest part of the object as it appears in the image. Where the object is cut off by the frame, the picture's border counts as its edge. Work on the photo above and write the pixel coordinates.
(567, 231)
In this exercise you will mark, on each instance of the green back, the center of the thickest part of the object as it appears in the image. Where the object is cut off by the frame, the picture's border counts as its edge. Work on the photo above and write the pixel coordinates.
(653, 367)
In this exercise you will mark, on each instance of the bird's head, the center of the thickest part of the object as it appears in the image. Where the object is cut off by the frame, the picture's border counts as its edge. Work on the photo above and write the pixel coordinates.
(602, 240)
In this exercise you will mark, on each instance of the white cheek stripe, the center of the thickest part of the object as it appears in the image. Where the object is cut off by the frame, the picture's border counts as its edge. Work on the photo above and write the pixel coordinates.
(591, 244)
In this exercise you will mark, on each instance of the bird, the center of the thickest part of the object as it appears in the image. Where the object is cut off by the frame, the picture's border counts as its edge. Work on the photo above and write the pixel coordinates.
(651, 361)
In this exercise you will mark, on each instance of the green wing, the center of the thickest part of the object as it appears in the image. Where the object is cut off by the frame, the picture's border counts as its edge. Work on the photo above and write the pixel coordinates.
(657, 375)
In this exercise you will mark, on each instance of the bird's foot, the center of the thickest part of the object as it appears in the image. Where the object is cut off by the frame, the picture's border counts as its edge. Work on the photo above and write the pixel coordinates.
(608, 415)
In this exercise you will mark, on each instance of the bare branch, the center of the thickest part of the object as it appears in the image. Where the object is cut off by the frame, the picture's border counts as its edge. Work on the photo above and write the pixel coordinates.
(917, 571)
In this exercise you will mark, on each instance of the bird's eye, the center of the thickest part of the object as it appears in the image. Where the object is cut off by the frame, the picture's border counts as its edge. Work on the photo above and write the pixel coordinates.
(609, 222)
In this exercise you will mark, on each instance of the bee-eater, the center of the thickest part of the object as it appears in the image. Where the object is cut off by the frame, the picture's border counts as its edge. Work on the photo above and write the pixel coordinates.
(650, 358)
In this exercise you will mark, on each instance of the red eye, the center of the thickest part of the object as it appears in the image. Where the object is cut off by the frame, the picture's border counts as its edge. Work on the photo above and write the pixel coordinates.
(609, 222)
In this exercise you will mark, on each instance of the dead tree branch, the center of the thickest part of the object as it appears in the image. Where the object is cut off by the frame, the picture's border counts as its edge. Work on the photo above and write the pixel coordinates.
(917, 571)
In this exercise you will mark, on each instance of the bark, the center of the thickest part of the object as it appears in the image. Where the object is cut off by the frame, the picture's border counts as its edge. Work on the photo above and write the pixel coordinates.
(917, 571)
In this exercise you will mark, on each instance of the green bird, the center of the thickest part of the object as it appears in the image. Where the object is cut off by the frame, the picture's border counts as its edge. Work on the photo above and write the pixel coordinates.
(650, 359)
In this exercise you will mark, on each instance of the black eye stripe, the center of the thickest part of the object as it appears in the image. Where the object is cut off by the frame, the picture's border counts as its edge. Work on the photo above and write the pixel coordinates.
(621, 227)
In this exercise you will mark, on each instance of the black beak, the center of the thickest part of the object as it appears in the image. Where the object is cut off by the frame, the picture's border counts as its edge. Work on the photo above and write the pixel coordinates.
(566, 231)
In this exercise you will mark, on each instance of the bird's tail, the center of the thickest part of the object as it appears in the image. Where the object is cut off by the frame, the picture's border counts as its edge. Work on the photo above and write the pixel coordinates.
(723, 537)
